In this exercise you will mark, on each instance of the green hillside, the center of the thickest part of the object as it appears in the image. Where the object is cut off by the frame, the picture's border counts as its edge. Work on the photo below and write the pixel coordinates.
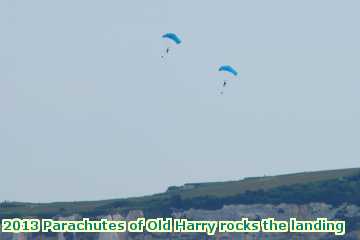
(268, 189)
(223, 189)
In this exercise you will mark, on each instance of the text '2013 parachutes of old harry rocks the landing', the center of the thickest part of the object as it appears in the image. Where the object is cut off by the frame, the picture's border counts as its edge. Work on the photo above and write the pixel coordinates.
(173, 39)
(230, 71)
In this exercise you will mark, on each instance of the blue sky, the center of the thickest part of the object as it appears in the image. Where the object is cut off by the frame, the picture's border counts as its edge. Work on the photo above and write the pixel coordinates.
(89, 110)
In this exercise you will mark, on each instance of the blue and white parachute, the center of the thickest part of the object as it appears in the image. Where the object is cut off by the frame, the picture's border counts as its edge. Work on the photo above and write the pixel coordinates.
(228, 68)
(173, 37)
(232, 73)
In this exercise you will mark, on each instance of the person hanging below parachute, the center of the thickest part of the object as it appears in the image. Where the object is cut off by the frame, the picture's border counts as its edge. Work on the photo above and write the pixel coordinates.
(229, 70)
(173, 39)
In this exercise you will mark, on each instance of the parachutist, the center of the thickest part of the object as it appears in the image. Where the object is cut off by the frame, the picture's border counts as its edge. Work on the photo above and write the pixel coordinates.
(174, 38)
(228, 69)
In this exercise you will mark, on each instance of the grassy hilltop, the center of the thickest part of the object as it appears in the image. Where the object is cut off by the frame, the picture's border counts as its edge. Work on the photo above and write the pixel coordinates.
(332, 186)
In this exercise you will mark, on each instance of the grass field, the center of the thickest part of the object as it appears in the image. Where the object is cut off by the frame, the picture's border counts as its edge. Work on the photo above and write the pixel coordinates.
(223, 189)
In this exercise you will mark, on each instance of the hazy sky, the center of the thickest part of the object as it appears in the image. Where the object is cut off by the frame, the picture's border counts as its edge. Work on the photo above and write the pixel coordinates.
(89, 110)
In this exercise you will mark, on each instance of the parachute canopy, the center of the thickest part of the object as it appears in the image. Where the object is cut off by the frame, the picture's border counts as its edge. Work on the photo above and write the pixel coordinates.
(173, 37)
(228, 68)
